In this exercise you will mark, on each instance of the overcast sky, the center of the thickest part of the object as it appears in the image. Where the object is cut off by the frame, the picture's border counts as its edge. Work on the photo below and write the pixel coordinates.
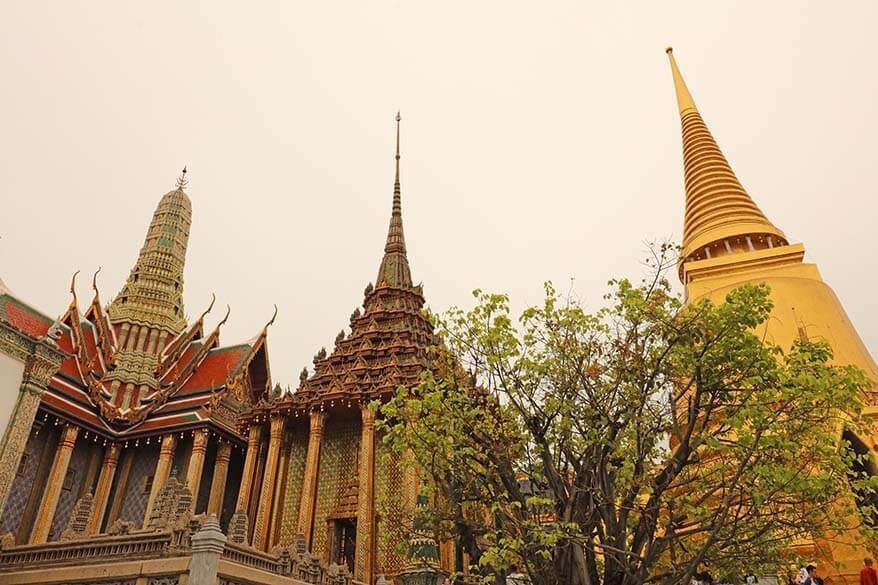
(540, 141)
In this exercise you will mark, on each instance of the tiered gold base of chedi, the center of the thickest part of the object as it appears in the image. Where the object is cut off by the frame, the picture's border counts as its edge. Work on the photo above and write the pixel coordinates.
(728, 242)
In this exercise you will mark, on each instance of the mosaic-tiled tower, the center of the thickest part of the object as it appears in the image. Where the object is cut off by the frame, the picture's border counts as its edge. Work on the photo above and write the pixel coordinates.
(148, 312)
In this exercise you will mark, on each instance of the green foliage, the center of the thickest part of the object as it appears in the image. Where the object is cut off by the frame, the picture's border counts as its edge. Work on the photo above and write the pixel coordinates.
(637, 443)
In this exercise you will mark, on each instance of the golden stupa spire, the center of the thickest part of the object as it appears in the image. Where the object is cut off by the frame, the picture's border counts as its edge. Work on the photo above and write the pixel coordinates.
(153, 295)
(721, 218)
(394, 270)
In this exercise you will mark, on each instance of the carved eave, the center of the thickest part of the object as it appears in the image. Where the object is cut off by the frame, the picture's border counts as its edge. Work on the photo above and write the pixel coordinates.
(251, 380)
(23, 347)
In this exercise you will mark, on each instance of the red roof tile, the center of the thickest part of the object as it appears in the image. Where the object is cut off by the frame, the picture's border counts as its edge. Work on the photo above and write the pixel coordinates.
(213, 371)
(24, 318)
(181, 363)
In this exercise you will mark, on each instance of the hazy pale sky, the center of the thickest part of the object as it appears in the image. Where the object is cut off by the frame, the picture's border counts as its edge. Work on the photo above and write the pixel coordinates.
(540, 141)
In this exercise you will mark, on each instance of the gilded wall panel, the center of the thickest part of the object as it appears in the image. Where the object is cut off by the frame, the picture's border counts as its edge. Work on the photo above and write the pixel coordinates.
(26, 474)
(338, 464)
(139, 484)
(295, 471)
(392, 521)
(70, 488)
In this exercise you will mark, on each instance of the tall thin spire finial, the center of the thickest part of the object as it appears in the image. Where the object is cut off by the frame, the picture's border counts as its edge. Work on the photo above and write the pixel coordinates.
(394, 270)
(182, 181)
(397, 198)
(684, 98)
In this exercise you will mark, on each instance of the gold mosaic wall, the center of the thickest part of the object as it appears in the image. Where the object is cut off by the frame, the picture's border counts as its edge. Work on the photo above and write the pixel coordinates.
(338, 464)
(295, 472)
(390, 509)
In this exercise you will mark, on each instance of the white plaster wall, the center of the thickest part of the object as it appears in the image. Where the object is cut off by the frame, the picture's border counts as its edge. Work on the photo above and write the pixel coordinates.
(11, 371)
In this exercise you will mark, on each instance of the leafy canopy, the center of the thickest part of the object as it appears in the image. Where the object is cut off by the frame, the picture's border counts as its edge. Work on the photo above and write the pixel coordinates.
(639, 443)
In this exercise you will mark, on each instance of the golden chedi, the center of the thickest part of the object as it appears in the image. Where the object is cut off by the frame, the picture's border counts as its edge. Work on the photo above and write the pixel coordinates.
(727, 242)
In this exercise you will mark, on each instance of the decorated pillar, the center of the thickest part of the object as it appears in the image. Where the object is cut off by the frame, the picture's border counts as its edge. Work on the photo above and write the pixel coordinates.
(262, 527)
(49, 503)
(162, 469)
(309, 482)
(218, 484)
(364, 557)
(196, 464)
(102, 491)
(280, 488)
(249, 468)
(42, 359)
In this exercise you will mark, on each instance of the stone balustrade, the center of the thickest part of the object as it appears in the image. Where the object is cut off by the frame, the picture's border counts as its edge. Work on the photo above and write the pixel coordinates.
(173, 549)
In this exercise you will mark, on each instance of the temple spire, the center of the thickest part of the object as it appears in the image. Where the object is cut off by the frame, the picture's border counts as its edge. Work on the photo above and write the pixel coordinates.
(721, 218)
(684, 98)
(397, 203)
(394, 270)
(153, 295)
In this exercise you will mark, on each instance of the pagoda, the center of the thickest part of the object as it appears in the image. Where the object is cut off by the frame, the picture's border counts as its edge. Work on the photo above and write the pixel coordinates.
(324, 475)
(727, 242)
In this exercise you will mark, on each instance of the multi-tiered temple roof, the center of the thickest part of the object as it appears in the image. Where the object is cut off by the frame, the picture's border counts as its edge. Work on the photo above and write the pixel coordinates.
(390, 339)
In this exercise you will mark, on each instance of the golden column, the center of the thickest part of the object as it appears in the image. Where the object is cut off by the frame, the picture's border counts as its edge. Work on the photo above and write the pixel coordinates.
(218, 484)
(196, 464)
(280, 489)
(262, 528)
(309, 481)
(363, 561)
(54, 483)
(102, 491)
(249, 468)
(162, 469)
(44, 360)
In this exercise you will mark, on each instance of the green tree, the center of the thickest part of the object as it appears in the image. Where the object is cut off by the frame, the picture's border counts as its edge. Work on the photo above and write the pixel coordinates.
(639, 443)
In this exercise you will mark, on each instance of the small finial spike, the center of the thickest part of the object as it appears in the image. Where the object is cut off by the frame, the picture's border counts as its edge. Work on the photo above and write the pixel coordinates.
(396, 187)
(182, 181)
(684, 98)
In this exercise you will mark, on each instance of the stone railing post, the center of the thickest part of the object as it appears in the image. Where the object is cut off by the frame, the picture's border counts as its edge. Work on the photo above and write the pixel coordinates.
(207, 548)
